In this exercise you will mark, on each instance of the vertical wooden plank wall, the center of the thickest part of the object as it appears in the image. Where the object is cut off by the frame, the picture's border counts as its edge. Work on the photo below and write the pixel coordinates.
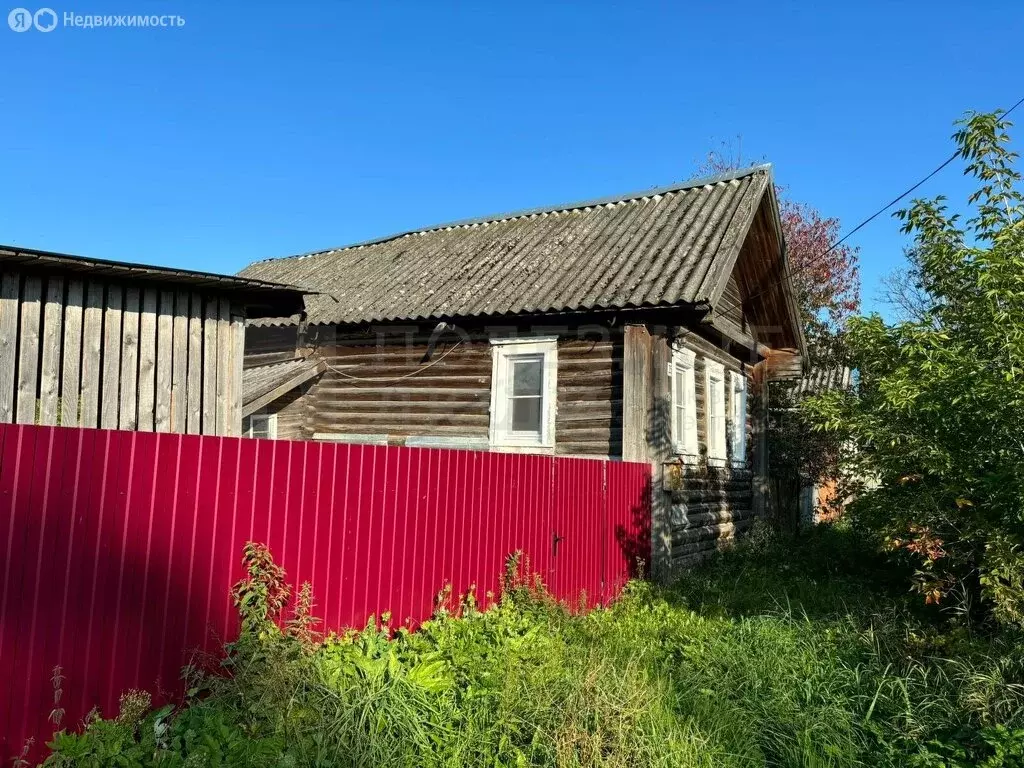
(49, 376)
(88, 353)
(636, 392)
(110, 406)
(130, 359)
(70, 378)
(223, 364)
(209, 368)
(92, 327)
(147, 361)
(179, 362)
(28, 351)
(234, 389)
(194, 379)
(10, 289)
(164, 352)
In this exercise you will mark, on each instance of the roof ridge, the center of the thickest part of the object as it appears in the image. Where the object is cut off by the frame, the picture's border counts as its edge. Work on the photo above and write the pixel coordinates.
(704, 181)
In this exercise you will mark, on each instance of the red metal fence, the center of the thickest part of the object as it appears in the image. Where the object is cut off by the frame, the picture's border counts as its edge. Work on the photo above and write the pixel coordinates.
(119, 548)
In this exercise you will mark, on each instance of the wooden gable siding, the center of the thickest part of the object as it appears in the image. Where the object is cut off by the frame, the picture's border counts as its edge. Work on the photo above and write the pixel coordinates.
(759, 278)
(97, 353)
(731, 303)
(710, 505)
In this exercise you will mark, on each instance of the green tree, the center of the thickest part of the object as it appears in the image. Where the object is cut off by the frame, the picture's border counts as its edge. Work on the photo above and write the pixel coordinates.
(938, 416)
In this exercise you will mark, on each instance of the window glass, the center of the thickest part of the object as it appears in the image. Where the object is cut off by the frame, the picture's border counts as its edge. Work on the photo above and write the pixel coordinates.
(527, 373)
(527, 393)
(260, 425)
(526, 414)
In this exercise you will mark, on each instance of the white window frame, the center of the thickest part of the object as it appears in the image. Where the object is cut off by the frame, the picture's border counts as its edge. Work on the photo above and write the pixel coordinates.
(269, 418)
(503, 353)
(714, 377)
(738, 420)
(684, 398)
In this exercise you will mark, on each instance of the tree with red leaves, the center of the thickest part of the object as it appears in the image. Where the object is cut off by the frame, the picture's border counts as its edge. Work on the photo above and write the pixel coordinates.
(827, 278)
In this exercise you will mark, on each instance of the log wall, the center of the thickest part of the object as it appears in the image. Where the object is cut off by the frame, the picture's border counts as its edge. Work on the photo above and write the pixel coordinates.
(708, 505)
(387, 389)
(589, 417)
(295, 414)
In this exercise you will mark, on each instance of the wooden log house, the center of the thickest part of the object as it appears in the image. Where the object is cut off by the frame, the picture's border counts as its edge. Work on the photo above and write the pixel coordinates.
(641, 327)
(95, 343)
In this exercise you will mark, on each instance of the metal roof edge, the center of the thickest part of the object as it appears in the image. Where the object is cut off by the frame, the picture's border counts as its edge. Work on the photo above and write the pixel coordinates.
(35, 256)
(595, 202)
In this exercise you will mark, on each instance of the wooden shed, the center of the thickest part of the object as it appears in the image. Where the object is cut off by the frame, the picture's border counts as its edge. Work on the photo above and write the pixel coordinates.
(95, 343)
(641, 327)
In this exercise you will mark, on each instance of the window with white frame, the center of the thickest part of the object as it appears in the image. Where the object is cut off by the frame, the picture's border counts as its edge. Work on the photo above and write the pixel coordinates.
(714, 411)
(262, 425)
(738, 422)
(523, 391)
(684, 404)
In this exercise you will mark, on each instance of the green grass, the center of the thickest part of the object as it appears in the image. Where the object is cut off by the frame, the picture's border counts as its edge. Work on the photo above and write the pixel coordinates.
(783, 653)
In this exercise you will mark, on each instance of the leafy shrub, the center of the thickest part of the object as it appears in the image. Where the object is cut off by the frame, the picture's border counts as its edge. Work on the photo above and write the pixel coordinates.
(937, 416)
(757, 659)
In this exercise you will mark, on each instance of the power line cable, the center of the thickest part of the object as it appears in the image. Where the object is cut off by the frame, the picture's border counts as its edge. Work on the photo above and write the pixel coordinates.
(377, 383)
(788, 272)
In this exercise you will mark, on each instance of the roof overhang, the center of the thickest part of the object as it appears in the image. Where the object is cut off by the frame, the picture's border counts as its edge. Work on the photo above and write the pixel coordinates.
(259, 297)
(789, 295)
(265, 384)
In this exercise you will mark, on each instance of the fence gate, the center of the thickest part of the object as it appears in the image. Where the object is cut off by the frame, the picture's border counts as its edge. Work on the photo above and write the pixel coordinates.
(577, 531)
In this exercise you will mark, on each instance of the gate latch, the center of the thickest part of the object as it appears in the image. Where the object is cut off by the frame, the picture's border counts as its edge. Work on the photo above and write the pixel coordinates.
(555, 538)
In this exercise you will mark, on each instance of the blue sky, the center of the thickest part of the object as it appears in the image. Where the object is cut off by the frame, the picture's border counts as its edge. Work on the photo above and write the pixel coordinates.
(259, 129)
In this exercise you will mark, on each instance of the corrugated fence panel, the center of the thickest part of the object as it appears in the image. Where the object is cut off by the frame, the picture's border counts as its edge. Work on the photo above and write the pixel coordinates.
(627, 521)
(120, 548)
(576, 531)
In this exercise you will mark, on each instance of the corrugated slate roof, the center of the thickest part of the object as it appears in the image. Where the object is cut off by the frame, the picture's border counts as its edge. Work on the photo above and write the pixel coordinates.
(264, 379)
(662, 247)
(821, 380)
